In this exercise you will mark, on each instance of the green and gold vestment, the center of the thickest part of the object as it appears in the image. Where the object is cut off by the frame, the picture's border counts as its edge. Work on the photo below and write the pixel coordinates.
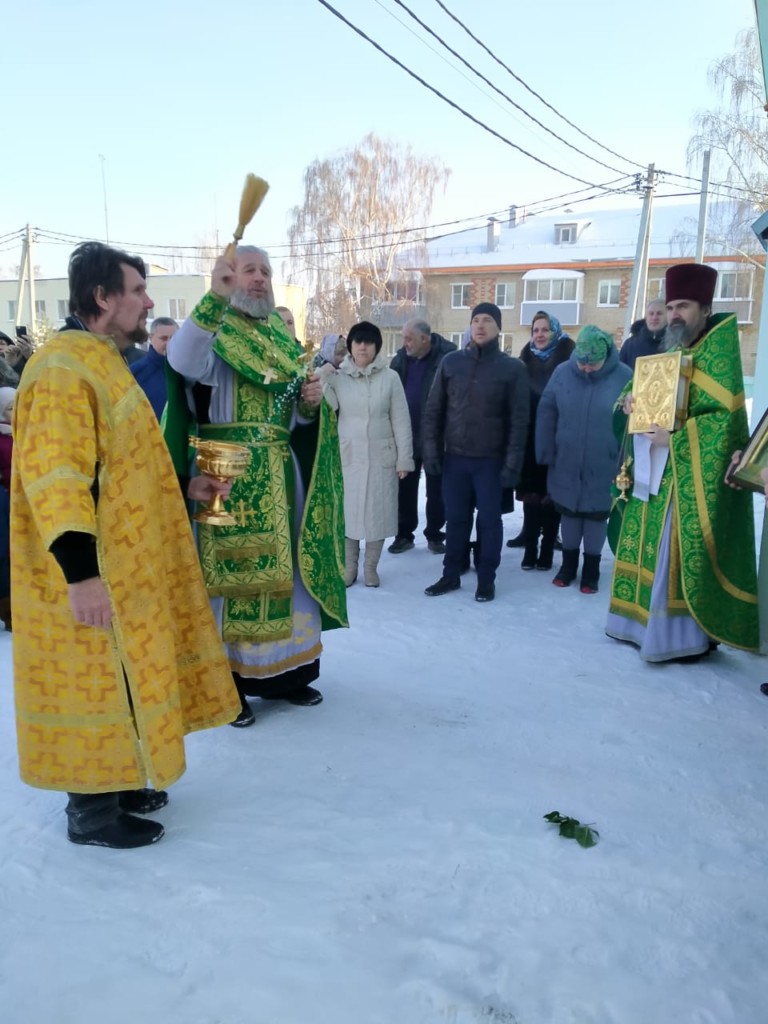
(251, 564)
(712, 573)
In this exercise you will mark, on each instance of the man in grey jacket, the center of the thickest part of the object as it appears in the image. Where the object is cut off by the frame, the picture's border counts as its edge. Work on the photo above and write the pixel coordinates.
(474, 431)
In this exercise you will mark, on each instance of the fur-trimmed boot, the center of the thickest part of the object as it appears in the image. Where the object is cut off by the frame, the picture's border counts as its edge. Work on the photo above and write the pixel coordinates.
(568, 569)
(351, 558)
(590, 574)
(372, 556)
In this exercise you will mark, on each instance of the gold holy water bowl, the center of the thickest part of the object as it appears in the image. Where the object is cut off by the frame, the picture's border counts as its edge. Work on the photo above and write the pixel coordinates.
(223, 461)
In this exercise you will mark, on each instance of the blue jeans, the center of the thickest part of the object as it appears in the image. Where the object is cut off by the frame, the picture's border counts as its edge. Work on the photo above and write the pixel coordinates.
(471, 483)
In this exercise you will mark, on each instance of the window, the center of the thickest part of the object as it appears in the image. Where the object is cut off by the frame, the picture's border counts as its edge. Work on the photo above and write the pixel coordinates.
(734, 284)
(559, 290)
(457, 338)
(505, 296)
(177, 308)
(62, 308)
(460, 296)
(565, 234)
(40, 308)
(655, 289)
(608, 293)
(404, 291)
(11, 309)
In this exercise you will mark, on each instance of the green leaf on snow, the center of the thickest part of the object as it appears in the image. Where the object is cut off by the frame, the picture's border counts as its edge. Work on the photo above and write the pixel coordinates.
(572, 828)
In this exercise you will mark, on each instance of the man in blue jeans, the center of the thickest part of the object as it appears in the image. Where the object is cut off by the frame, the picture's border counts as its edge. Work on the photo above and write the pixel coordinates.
(474, 432)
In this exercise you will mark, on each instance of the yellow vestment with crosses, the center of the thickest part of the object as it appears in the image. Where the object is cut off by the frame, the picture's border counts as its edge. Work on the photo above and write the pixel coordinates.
(105, 710)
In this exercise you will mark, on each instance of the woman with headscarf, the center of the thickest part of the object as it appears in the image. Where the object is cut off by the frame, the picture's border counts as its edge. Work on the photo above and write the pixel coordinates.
(376, 446)
(332, 350)
(576, 442)
(548, 348)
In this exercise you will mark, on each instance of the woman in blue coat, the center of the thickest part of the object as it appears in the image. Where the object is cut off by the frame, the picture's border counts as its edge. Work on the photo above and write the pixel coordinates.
(575, 440)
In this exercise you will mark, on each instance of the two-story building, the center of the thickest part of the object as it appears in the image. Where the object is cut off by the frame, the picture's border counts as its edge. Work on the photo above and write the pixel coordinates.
(576, 265)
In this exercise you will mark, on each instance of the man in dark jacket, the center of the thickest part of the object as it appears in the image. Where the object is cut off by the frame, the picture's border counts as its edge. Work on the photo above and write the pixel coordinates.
(416, 364)
(475, 428)
(150, 370)
(646, 340)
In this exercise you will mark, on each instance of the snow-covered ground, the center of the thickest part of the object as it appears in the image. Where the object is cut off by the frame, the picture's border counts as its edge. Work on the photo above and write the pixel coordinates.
(382, 858)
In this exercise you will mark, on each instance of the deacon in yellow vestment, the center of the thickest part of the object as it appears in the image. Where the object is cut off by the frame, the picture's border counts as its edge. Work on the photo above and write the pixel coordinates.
(103, 710)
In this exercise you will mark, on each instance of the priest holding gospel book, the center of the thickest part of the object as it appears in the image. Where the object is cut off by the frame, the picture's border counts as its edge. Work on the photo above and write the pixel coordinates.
(684, 577)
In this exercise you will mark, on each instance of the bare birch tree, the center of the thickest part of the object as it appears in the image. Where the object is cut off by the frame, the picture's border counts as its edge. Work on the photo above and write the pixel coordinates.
(737, 131)
(349, 238)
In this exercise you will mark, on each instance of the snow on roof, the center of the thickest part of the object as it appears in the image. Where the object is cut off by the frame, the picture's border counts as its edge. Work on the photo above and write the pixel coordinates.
(543, 274)
(608, 234)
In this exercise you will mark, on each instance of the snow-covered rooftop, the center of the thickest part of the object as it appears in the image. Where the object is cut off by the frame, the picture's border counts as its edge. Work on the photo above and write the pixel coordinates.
(605, 234)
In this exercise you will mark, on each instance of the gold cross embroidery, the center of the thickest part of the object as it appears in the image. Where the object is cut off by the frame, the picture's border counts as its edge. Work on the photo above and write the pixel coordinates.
(269, 376)
(242, 513)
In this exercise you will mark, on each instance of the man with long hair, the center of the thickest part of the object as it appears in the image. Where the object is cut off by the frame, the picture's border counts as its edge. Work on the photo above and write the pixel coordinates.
(115, 650)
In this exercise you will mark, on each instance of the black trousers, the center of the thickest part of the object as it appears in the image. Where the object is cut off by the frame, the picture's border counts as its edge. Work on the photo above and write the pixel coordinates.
(408, 505)
(278, 686)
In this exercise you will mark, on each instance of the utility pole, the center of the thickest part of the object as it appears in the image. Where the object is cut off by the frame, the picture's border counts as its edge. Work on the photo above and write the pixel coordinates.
(703, 204)
(22, 280)
(31, 272)
(104, 193)
(642, 284)
(642, 252)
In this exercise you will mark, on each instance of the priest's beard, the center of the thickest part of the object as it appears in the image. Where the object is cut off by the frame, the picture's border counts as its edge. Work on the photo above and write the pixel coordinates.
(259, 309)
(137, 337)
(679, 335)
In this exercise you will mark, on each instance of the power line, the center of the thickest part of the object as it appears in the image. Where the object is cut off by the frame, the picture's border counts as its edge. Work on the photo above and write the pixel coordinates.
(715, 184)
(52, 238)
(451, 103)
(533, 92)
(441, 57)
(171, 249)
(495, 88)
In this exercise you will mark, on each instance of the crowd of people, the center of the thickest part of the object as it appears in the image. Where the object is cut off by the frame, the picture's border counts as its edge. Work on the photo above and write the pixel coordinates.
(133, 628)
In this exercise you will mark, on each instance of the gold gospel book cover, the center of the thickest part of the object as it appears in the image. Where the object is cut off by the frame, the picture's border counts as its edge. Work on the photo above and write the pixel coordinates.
(660, 390)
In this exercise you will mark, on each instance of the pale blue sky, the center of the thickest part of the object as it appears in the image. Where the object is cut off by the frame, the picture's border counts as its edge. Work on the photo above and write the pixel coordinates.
(183, 99)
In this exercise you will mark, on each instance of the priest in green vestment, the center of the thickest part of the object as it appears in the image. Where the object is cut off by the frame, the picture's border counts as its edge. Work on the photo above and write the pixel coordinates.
(684, 575)
(275, 578)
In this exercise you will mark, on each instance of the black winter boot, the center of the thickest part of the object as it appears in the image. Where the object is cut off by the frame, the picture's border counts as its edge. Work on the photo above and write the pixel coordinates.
(550, 521)
(590, 574)
(531, 530)
(520, 540)
(568, 569)
(142, 801)
(246, 716)
(124, 833)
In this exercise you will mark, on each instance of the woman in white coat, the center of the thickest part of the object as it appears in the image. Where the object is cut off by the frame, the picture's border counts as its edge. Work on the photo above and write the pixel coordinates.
(376, 446)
